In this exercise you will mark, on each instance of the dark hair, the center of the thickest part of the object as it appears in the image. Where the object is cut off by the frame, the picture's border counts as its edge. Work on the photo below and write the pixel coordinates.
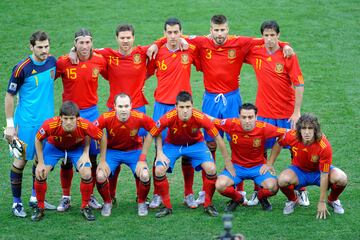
(271, 24)
(121, 95)
(184, 96)
(248, 106)
(308, 119)
(172, 22)
(38, 36)
(69, 108)
(124, 28)
(83, 32)
(218, 19)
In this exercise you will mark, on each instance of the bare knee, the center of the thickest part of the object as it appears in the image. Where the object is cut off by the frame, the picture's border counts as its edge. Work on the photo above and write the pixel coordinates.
(85, 173)
(270, 184)
(209, 168)
(144, 176)
(338, 177)
(221, 184)
(160, 171)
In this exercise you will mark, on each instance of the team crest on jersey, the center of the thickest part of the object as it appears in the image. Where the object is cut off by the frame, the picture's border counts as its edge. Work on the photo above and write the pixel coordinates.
(315, 158)
(95, 72)
(185, 59)
(194, 130)
(52, 74)
(279, 68)
(257, 142)
(137, 58)
(133, 132)
(12, 86)
(231, 53)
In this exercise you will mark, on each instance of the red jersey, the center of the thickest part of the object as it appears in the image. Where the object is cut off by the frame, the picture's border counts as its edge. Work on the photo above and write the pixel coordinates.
(247, 147)
(184, 133)
(80, 81)
(314, 157)
(276, 78)
(126, 74)
(55, 134)
(124, 135)
(173, 69)
(221, 64)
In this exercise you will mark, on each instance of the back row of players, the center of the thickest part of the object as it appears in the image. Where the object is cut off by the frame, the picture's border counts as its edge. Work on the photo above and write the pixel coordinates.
(220, 57)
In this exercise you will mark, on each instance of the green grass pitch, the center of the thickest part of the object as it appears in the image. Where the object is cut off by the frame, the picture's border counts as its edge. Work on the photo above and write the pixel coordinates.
(325, 36)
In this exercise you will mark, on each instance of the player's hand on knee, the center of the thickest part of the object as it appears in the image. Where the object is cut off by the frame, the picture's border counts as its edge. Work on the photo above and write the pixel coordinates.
(140, 167)
(144, 175)
(84, 161)
(40, 171)
(161, 157)
(322, 210)
(267, 168)
(103, 169)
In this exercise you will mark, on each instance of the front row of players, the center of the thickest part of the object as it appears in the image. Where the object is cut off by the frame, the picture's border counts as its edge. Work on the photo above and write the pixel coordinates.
(68, 137)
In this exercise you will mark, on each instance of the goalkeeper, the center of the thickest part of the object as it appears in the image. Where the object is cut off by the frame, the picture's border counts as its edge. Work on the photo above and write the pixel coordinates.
(32, 80)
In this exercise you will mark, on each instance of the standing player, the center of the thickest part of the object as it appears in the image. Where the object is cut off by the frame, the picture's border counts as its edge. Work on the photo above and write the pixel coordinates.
(124, 146)
(247, 145)
(280, 86)
(184, 138)
(311, 165)
(33, 80)
(173, 69)
(80, 83)
(66, 135)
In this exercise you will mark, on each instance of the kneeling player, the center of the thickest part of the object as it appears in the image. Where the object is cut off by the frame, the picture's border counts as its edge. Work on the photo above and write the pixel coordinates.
(311, 165)
(184, 138)
(66, 135)
(124, 146)
(248, 137)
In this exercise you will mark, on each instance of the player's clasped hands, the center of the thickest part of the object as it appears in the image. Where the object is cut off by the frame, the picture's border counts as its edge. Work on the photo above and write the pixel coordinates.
(322, 211)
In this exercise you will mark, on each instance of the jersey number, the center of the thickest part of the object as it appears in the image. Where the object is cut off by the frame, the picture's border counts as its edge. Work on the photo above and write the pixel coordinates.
(208, 54)
(258, 63)
(71, 73)
(161, 65)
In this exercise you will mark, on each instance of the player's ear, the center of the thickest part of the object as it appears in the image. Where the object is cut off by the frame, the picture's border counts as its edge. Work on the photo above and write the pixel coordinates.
(31, 47)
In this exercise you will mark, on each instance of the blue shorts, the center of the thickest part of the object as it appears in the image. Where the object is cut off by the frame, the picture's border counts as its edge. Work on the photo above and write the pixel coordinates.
(159, 110)
(198, 153)
(243, 173)
(52, 155)
(306, 178)
(27, 135)
(283, 123)
(221, 106)
(115, 158)
(91, 114)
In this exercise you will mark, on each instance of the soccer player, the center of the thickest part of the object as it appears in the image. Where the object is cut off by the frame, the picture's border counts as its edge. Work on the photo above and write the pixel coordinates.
(80, 84)
(184, 138)
(66, 135)
(124, 147)
(247, 144)
(280, 86)
(173, 69)
(32, 80)
(311, 165)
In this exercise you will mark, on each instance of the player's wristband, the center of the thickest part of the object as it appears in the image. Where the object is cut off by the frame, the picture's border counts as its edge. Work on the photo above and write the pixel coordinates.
(142, 158)
(10, 122)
